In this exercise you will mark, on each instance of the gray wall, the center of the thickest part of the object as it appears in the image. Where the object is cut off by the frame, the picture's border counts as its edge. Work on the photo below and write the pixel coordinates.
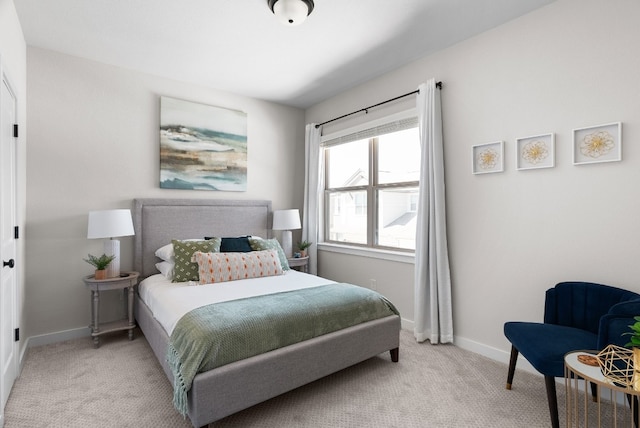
(94, 144)
(571, 64)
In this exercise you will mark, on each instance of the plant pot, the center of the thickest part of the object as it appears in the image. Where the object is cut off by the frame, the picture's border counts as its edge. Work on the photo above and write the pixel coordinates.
(303, 253)
(636, 369)
(100, 274)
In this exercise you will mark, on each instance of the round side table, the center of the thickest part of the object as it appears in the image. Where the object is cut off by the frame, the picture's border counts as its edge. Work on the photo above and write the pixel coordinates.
(126, 282)
(622, 408)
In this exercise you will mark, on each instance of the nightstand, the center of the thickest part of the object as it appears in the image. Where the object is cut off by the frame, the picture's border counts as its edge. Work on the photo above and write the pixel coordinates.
(301, 263)
(125, 282)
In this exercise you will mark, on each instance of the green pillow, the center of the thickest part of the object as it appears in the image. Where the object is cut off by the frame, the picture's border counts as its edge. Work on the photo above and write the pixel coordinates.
(184, 270)
(258, 244)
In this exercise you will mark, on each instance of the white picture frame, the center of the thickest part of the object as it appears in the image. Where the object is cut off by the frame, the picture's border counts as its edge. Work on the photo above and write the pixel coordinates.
(535, 152)
(488, 158)
(596, 144)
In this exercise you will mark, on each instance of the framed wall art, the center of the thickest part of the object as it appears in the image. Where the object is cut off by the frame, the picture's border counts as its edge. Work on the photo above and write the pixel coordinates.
(488, 157)
(534, 152)
(602, 143)
(202, 147)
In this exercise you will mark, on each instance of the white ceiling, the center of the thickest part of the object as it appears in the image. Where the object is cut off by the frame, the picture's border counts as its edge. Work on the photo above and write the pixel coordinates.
(240, 47)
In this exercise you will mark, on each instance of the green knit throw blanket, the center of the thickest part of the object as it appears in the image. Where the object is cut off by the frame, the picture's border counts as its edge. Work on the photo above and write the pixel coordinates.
(218, 334)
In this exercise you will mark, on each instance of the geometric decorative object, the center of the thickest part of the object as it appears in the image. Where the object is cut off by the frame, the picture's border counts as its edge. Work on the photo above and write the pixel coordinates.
(602, 143)
(616, 364)
(535, 152)
(110, 224)
(488, 158)
(291, 12)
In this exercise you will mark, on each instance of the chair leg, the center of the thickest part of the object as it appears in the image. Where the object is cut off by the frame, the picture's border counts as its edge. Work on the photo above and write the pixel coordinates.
(512, 366)
(550, 383)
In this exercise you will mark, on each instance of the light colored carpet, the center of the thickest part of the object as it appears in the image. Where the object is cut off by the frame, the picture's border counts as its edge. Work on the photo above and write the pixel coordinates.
(121, 384)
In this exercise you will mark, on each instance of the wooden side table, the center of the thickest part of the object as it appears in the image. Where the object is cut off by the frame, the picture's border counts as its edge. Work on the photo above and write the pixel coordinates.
(126, 282)
(301, 263)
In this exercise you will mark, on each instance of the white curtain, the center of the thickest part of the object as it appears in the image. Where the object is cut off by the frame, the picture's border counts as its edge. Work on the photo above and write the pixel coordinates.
(311, 220)
(433, 318)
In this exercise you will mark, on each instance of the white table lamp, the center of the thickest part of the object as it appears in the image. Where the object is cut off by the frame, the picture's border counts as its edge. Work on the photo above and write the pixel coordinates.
(286, 220)
(110, 224)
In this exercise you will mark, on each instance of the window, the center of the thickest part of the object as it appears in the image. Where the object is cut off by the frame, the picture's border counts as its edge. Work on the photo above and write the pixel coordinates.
(371, 186)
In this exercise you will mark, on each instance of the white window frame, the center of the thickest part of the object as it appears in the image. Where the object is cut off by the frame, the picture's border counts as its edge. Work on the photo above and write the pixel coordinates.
(394, 254)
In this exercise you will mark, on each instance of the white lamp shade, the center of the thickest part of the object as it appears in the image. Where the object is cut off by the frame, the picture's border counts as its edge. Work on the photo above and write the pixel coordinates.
(286, 220)
(291, 12)
(109, 224)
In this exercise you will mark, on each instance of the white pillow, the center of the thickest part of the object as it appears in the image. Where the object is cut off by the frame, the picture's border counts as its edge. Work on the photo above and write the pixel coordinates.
(166, 269)
(166, 252)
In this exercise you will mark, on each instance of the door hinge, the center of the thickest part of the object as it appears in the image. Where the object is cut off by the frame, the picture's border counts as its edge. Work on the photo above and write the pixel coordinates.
(16, 334)
(15, 130)
(16, 232)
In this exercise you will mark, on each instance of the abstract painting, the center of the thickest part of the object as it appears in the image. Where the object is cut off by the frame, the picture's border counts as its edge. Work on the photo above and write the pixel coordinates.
(202, 147)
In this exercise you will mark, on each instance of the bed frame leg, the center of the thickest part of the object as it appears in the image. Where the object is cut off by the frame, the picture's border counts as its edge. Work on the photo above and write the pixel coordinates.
(395, 354)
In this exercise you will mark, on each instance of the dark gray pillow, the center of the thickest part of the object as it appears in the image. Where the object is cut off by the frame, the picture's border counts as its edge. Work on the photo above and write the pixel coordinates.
(239, 244)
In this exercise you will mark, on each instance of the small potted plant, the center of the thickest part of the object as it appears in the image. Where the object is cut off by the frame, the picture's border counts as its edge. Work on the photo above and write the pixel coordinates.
(100, 263)
(634, 344)
(302, 246)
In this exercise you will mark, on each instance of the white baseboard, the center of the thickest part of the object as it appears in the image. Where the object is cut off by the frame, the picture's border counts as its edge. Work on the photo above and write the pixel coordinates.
(59, 336)
(461, 342)
(406, 324)
(467, 344)
(23, 354)
(46, 339)
(482, 349)
(493, 353)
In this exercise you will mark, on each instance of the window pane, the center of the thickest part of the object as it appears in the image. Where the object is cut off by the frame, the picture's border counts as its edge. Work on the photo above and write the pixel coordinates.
(399, 157)
(348, 217)
(349, 164)
(397, 217)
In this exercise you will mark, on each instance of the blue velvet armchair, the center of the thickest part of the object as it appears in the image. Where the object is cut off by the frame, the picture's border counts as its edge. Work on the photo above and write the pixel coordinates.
(577, 315)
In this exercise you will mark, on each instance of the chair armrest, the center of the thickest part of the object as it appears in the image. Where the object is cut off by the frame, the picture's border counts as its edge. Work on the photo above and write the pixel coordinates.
(616, 322)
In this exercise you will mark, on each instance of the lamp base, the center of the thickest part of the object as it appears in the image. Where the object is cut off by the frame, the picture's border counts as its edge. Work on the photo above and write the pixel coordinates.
(111, 248)
(287, 243)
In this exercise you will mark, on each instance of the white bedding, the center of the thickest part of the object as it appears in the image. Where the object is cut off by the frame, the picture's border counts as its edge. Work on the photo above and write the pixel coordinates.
(169, 301)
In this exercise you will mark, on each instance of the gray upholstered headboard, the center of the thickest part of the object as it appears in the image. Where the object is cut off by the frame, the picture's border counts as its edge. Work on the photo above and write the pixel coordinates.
(158, 221)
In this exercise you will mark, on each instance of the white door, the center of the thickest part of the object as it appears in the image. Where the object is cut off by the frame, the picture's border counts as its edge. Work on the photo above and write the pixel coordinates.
(8, 273)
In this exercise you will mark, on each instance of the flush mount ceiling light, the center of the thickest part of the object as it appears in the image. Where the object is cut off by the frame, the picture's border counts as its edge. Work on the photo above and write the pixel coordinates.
(291, 12)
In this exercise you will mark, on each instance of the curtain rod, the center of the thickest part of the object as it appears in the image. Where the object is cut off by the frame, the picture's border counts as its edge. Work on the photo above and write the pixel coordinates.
(366, 109)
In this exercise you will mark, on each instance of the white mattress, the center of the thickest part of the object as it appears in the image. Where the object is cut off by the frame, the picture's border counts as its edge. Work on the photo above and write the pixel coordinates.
(169, 301)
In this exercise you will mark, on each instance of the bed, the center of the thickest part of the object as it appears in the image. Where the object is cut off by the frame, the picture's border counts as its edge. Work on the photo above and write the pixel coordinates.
(233, 387)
